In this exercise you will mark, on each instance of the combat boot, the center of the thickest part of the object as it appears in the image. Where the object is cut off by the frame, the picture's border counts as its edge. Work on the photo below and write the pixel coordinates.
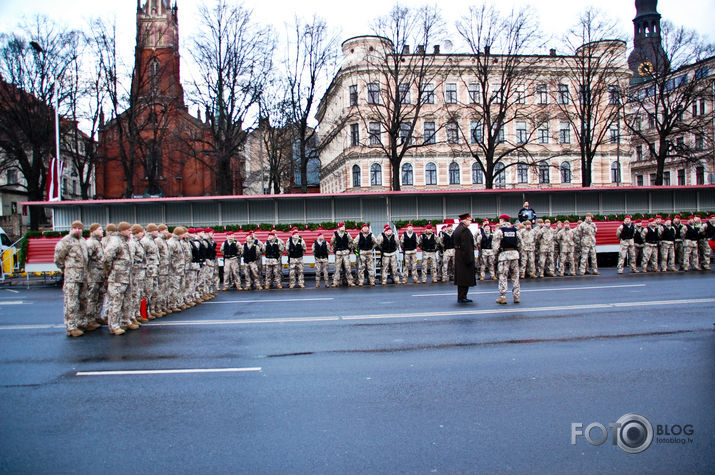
(502, 300)
(279, 286)
(75, 333)
(133, 326)
(481, 278)
(494, 277)
(317, 285)
(351, 284)
(598, 273)
(291, 286)
(225, 288)
(92, 326)
(516, 299)
(118, 331)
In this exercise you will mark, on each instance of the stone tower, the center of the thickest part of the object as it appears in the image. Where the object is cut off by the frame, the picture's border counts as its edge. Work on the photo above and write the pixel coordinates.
(647, 51)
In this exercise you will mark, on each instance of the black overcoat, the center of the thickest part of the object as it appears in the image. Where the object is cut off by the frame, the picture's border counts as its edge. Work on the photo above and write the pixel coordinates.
(464, 265)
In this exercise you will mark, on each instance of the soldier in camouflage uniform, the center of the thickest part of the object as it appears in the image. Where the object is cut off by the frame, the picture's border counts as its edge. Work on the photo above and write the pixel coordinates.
(691, 235)
(527, 255)
(678, 227)
(364, 242)
(71, 259)
(506, 244)
(204, 273)
(214, 280)
(151, 284)
(651, 236)
(566, 256)
(177, 270)
(446, 244)
(408, 242)
(118, 261)
(667, 246)
(342, 242)
(296, 250)
(709, 230)
(162, 297)
(703, 246)
(638, 242)
(191, 268)
(321, 251)
(546, 250)
(273, 250)
(428, 243)
(487, 254)
(96, 279)
(232, 251)
(577, 233)
(388, 246)
(252, 252)
(625, 234)
(588, 246)
(138, 277)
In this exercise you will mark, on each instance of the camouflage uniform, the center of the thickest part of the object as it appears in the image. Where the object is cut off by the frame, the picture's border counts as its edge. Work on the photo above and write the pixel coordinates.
(446, 243)
(273, 250)
(638, 244)
(667, 248)
(651, 236)
(506, 242)
(139, 269)
(96, 279)
(428, 243)
(296, 249)
(566, 254)
(190, 269)
(177, 272)
(625, 233)
(163, 287)
(408, 243)
(527, 236)
(388, 246)
(365, 244)
(679, 251)
(588, 247)
(703, 246)
(252, 252)
(577, 235)
(690, 234)
(485, 238)
(151, 285)
(341, 242)
(214, 280)
(118, 261)
(321, 251)
(546, 251)
(71, 259)
(232, 251)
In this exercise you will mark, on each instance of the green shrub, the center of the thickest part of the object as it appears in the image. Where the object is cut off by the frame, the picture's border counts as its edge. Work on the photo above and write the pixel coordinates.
(265, 226)
(329, 225)
(248, 227)
(312, 226)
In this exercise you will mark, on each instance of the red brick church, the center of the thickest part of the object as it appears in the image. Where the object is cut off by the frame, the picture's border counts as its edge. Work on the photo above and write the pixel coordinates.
(155, 143)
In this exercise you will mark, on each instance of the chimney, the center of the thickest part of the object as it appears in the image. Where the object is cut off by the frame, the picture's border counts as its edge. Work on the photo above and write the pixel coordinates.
(436, 49)
(552, 52)
(420, 49)
(406, 50)
(487, 49)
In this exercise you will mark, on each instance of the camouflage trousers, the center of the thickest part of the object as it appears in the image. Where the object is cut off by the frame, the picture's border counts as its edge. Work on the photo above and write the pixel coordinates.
(627, 249)
(410, 267)
(138, 288)
(75, 305)
(342, 263)
(175, 297)
(546, 263)
(389, 266)
(528, 263)
(566, 256)
(321, 269)
(162, 296)
(588, 252)
(232, 272)
(95, 299)
(639, 254)
(190, 282)
(650, 257)
(509, 266)
(118, 302)
(215, 282)
(691, 255)
(704, 250)
(274, 273)
(448, 265)
(667, 256)
(295, 266)
(366, 262)
(251, 271)
(429, 263)
(679, 252)
(487, 262)
(151, 292)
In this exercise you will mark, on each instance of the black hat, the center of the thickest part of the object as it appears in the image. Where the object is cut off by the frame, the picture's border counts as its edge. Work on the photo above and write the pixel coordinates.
(464, 216)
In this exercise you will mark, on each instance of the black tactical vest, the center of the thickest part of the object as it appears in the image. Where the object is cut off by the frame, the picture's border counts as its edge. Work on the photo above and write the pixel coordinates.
(447, 241)
(365, 242)
(273, 250)
(651, 236)
(230, 249)
(429, 243)
(628, 231)
(678, 228)
(211, 250)
(249, 252)
(710, 231)
(295, 250)
(638, 238)
(321, 250)
(389, 244)
(342, 243)
(668, 234)
(486, 239)
(197, 251)
(410, 242)
(509, 240)
(691, 233)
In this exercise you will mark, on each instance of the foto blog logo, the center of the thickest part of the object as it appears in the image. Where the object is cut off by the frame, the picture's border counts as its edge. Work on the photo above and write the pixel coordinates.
(632, 433)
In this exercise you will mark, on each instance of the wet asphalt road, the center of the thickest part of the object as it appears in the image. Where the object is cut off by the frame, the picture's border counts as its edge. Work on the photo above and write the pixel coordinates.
(372, 380)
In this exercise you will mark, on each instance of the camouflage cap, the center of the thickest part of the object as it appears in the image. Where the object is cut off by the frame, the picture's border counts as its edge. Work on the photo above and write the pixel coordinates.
(162, 227)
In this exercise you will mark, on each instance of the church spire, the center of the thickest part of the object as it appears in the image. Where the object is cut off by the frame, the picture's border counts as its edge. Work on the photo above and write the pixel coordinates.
(647, 53)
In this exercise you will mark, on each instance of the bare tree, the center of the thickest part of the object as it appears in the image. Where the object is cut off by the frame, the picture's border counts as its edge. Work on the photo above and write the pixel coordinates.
(663, 110)
(596, 71)
(276, 136)
(234, 57)
(500, 79)
(32, 78)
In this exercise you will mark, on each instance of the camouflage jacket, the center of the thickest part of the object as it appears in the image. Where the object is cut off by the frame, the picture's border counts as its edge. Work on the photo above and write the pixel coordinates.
(71, 258)
(175, 253)
(566, 239)
(163, 252)
(546, 239)
(188, 256)
(588, 233)
(139, 262)
(95, 265)
(118, 259)
(528, 239)
(151, 250)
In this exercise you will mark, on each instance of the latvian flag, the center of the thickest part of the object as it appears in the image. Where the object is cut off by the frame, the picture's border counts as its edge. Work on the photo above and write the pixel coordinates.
(54, 177)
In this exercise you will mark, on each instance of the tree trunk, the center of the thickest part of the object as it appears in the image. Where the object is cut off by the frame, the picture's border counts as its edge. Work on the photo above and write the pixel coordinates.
(585, 172)
(395, 165)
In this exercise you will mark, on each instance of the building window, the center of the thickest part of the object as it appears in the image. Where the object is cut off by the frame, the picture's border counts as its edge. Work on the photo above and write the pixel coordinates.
(450, 94)
(405, 132)
(565, 172)
(639, 153)
(542, 94)
(500, 135)
(615, 172)
(614, 95)
(475, 93)
(681, 177)
(452, 132)
(666, 178)
(356, 176)
(477, 174)
(428, 94)
(12, 177)
(497, 94)
(405, 94)
(354, 135)
(454, 174)
(651, 121)
(407, 174)
(699, 142)
(522, 173)
(544, 133)
(639, 180)
(374, 133)
(429, 132)
(637, 123)
(476, 132)
(499, 175)
(544, 176)
(375, 175)
(520, 95)
(353, 95)
(564, 132)
(373, 93)
(700, 175)
(430, 174)
(652, 179)
(520, 131)
(702, 106)
(614, 134)
(564, 94)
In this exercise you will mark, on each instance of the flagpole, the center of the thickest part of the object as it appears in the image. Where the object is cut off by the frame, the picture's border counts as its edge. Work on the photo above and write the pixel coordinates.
(58, 170)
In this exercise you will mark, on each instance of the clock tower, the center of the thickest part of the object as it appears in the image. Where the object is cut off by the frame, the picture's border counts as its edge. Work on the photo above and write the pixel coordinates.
(648, 54)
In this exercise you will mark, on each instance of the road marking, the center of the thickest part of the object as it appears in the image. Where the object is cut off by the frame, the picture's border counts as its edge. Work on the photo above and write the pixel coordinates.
(272, 300)
(11, 302)
(166, 371)
(550, 289)
(29, 327)
(13, 291)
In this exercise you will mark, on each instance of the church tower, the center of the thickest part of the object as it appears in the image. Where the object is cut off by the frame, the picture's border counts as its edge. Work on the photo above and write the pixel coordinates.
(647, 51)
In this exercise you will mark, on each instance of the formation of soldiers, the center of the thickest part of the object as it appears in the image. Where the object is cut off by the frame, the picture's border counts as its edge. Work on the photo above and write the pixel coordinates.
(665, 244)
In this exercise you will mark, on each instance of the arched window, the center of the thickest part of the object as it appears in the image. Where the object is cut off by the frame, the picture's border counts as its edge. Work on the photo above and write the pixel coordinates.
(477, 174)
(544, 176)
(407, 174)
(615, 172)
(454, 174)
(356, 176)
(375, 175)
(430, 174)
(499, 175)
(565, 172)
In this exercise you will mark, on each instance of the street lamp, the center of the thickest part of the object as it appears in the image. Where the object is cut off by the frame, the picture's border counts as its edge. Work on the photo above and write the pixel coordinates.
(58, 169)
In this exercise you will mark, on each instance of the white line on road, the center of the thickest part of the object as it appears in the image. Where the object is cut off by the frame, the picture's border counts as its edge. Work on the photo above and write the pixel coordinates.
(273, 300)
(13, 291)
(550, 289)
(166, 371)
(11, 302)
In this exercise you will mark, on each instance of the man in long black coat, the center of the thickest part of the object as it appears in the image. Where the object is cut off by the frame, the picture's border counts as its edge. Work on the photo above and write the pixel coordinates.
(464, 264)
